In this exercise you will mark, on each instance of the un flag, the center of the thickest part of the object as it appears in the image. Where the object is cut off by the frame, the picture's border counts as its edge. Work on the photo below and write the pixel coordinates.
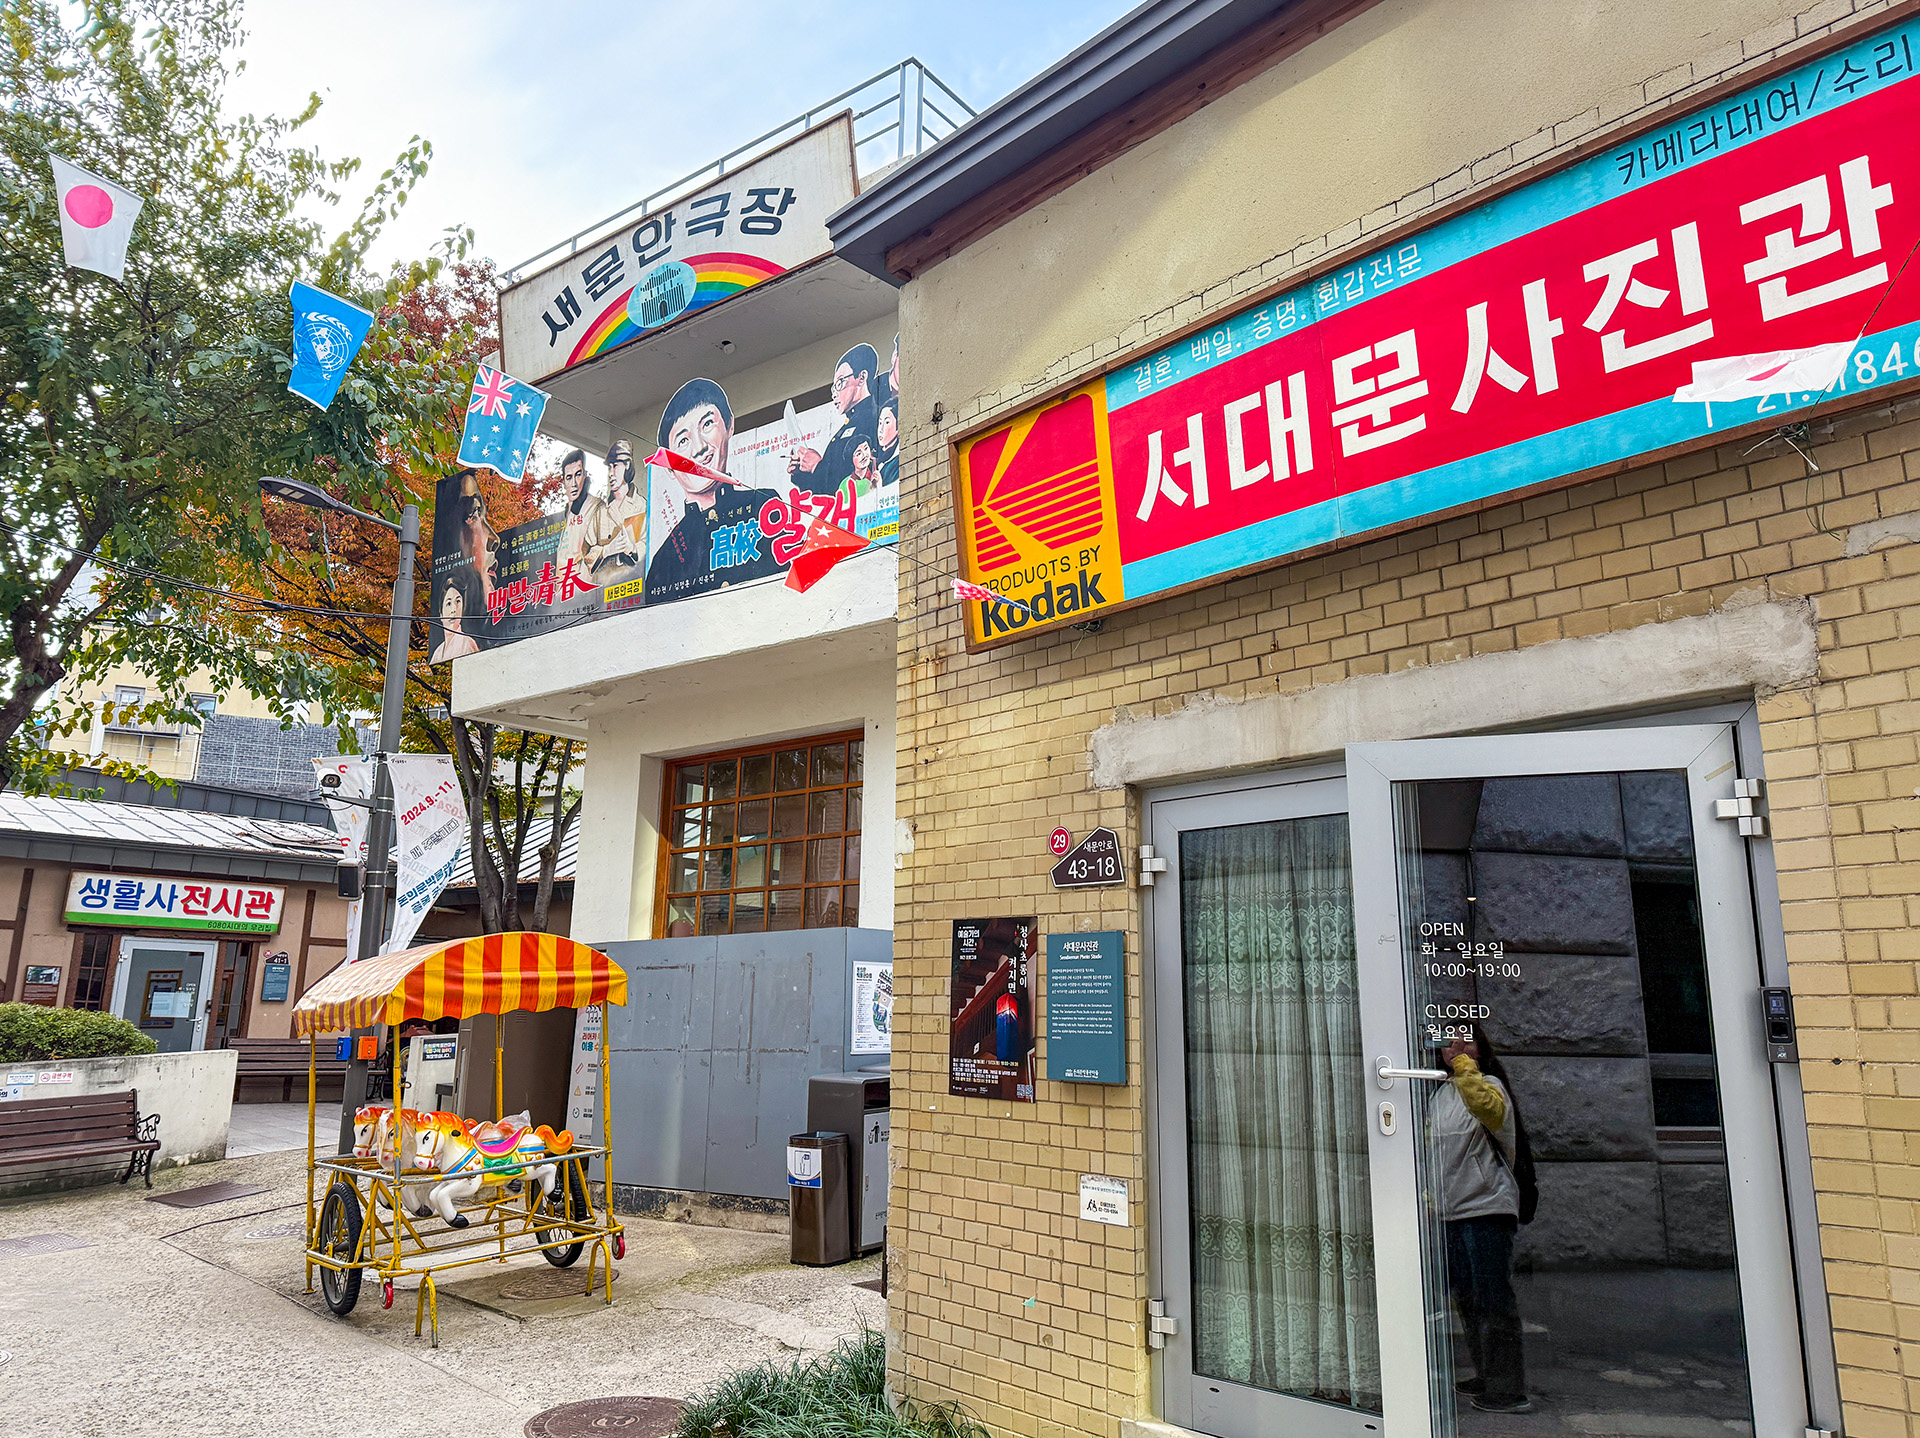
(327, 334)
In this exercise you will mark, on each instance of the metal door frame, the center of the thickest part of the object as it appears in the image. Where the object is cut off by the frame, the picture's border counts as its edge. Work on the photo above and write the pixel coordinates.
(1763, 1252)
(210, 958)
(1308, 791)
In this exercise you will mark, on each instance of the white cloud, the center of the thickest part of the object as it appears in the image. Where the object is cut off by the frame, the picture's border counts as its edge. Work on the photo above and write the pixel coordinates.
(546, 117)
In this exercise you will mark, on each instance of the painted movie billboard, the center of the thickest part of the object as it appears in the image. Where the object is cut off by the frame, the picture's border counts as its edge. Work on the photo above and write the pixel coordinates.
(651, 535)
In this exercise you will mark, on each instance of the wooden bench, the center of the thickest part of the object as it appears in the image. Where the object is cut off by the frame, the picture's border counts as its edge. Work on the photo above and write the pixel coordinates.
(38, 1131)
(283, 1059)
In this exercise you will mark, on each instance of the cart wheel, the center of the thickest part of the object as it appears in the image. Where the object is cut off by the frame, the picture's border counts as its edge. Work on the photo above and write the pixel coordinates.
(565, 1201)
(619, 1245)
(340, 1221)
(386, 1294)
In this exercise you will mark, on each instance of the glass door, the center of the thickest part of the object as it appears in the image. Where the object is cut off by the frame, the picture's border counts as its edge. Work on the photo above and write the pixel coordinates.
(1263, 1221)
(162, 988)
(1576, 1165)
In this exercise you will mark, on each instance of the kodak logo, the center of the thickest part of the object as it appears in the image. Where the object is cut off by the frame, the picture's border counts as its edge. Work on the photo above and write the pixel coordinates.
(1052, 602)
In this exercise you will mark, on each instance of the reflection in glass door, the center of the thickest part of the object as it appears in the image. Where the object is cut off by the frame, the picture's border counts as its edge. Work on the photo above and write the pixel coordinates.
(1265, 1218)
(1594, 1170)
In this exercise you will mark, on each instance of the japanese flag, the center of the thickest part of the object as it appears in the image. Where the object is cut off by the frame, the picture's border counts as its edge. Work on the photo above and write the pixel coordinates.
(96, 218)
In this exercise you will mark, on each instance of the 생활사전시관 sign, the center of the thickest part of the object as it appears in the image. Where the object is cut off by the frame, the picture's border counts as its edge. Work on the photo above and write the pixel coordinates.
(1537, 337)
(759, 221)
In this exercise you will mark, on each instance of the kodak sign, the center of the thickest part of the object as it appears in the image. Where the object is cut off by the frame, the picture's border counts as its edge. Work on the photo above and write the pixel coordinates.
(1720, 273)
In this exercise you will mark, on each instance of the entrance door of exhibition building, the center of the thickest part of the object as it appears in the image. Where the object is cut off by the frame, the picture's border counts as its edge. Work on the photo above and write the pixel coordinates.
(162, 990)
(1338, 1237)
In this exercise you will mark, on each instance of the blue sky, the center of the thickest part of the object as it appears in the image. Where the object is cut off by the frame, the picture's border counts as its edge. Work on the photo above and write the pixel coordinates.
(545, 117)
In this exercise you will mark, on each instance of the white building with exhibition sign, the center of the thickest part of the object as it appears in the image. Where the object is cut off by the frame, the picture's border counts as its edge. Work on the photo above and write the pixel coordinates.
(731, 832)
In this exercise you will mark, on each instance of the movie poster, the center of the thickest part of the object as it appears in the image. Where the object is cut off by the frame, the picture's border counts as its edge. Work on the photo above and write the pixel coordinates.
(990, 1051)
(655, 535)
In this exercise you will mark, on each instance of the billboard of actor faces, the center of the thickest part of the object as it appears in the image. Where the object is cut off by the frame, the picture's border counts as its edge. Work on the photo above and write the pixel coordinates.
(655, 535)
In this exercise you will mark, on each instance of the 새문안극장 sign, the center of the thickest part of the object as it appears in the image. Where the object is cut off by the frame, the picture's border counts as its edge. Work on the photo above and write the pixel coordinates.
(1732, 266)
(759, 221)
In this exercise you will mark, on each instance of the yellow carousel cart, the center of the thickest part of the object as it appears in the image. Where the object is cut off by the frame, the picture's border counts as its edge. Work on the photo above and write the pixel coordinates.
(424, 1192)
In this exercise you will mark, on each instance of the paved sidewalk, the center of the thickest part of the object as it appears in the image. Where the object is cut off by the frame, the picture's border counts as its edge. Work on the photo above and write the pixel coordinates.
(276, 1127)
(197, 1321)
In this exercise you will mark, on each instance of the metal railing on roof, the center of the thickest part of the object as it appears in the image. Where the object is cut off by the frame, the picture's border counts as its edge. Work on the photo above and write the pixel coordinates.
(902, 105)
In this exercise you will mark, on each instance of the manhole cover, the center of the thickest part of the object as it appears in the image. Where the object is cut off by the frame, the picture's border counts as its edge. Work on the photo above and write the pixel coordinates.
(279, 1230)
(39, 1243)
(555, 1283)
(631, 1417)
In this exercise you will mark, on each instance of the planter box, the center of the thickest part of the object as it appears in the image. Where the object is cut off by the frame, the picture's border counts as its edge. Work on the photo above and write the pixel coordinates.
(192, 1093)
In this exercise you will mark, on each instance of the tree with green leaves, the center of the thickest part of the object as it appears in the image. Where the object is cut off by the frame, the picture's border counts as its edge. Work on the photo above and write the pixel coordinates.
(137, 415)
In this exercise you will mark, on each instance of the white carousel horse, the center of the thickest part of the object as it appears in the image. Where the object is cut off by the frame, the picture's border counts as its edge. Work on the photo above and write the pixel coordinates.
(472, 1156)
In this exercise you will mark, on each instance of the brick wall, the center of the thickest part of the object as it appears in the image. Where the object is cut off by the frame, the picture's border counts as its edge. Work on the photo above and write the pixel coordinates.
(1001, 1296)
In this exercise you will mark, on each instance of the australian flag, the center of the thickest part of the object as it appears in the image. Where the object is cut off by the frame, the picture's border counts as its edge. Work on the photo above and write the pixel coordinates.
(327, 334)
(503, 415)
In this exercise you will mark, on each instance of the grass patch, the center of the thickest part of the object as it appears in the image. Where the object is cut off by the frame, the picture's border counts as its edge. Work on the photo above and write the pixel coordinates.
(839, 1395)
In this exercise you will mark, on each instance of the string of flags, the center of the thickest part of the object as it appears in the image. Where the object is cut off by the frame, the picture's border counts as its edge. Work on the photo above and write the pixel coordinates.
(503, 414)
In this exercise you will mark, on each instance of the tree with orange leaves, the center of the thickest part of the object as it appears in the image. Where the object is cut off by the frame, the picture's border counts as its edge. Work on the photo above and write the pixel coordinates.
(336, 573)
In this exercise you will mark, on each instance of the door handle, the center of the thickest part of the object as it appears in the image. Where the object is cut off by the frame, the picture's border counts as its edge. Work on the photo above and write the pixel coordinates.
(1385, 1073)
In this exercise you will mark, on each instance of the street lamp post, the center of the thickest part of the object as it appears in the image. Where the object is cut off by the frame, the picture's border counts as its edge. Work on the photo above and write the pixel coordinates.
(375, 896)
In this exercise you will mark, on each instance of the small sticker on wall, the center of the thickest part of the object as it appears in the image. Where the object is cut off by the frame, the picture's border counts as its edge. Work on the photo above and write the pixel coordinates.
(57, 1076)
(1104, 1200)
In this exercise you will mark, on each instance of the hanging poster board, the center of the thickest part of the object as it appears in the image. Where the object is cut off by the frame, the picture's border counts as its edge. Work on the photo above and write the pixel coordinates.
(990, 1047)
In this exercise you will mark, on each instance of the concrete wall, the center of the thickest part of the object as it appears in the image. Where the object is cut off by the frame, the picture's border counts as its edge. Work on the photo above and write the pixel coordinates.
(1407, 105)
(712, 1053)
(192, 1093)
(1445, 628)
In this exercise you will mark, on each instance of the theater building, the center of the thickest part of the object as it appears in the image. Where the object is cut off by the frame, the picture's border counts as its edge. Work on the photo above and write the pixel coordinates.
(1444, 481)
(736, 843)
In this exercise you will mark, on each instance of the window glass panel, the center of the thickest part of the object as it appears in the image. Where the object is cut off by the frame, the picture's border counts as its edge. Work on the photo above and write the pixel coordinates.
(854, 807)
(857, 759)
(714, 914)
(786, 909)
(850, 906)
(717, 870)
(680, 919)
(827, 811)
(756, 774)
(683, 873)
(689, 784)
(722, 774)
(788, 861)
(790, 769)
(685, 832)
(720, 824)
(823, 908)
(790, 816)
(824, 860)
(749, 913)
(750, 866)
(852, 870)
(829, 763)
(754, 818)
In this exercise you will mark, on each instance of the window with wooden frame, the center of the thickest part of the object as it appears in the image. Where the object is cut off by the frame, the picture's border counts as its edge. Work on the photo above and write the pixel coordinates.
(762, 838)
(96, 961)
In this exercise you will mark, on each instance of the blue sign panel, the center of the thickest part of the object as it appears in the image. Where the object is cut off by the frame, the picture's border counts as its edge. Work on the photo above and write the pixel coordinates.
(273, 986)
(1087, 1008)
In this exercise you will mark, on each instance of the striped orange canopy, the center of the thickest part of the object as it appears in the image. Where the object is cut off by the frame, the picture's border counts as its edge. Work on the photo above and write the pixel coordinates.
(492, 974)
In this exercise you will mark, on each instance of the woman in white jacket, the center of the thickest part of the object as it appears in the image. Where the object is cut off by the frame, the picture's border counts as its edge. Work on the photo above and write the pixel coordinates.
(1472, 1129)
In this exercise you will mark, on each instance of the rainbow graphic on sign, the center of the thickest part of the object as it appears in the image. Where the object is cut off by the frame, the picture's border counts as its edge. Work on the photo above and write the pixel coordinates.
(719, 276)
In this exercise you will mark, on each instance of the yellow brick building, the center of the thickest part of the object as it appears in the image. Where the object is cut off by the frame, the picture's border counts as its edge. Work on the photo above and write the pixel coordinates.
(1727, 1236)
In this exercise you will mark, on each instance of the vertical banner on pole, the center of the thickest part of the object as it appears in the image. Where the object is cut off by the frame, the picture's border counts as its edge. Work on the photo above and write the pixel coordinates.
(583, 1079)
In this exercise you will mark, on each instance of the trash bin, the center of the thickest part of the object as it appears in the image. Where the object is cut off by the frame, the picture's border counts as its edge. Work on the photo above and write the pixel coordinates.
(817, 1199)
(858, 1104)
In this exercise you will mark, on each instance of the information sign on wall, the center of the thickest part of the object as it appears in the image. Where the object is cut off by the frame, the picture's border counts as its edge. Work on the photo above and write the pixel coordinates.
(872, 1031)
(751, 226)
(142, 901)
(1087, 1008)
(276, 979)
(1732, 268)
(990, 1052)
(1092, 863)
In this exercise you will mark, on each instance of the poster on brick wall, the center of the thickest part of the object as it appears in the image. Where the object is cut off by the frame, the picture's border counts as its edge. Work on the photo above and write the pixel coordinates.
(1733, 268)
(990, 1047)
